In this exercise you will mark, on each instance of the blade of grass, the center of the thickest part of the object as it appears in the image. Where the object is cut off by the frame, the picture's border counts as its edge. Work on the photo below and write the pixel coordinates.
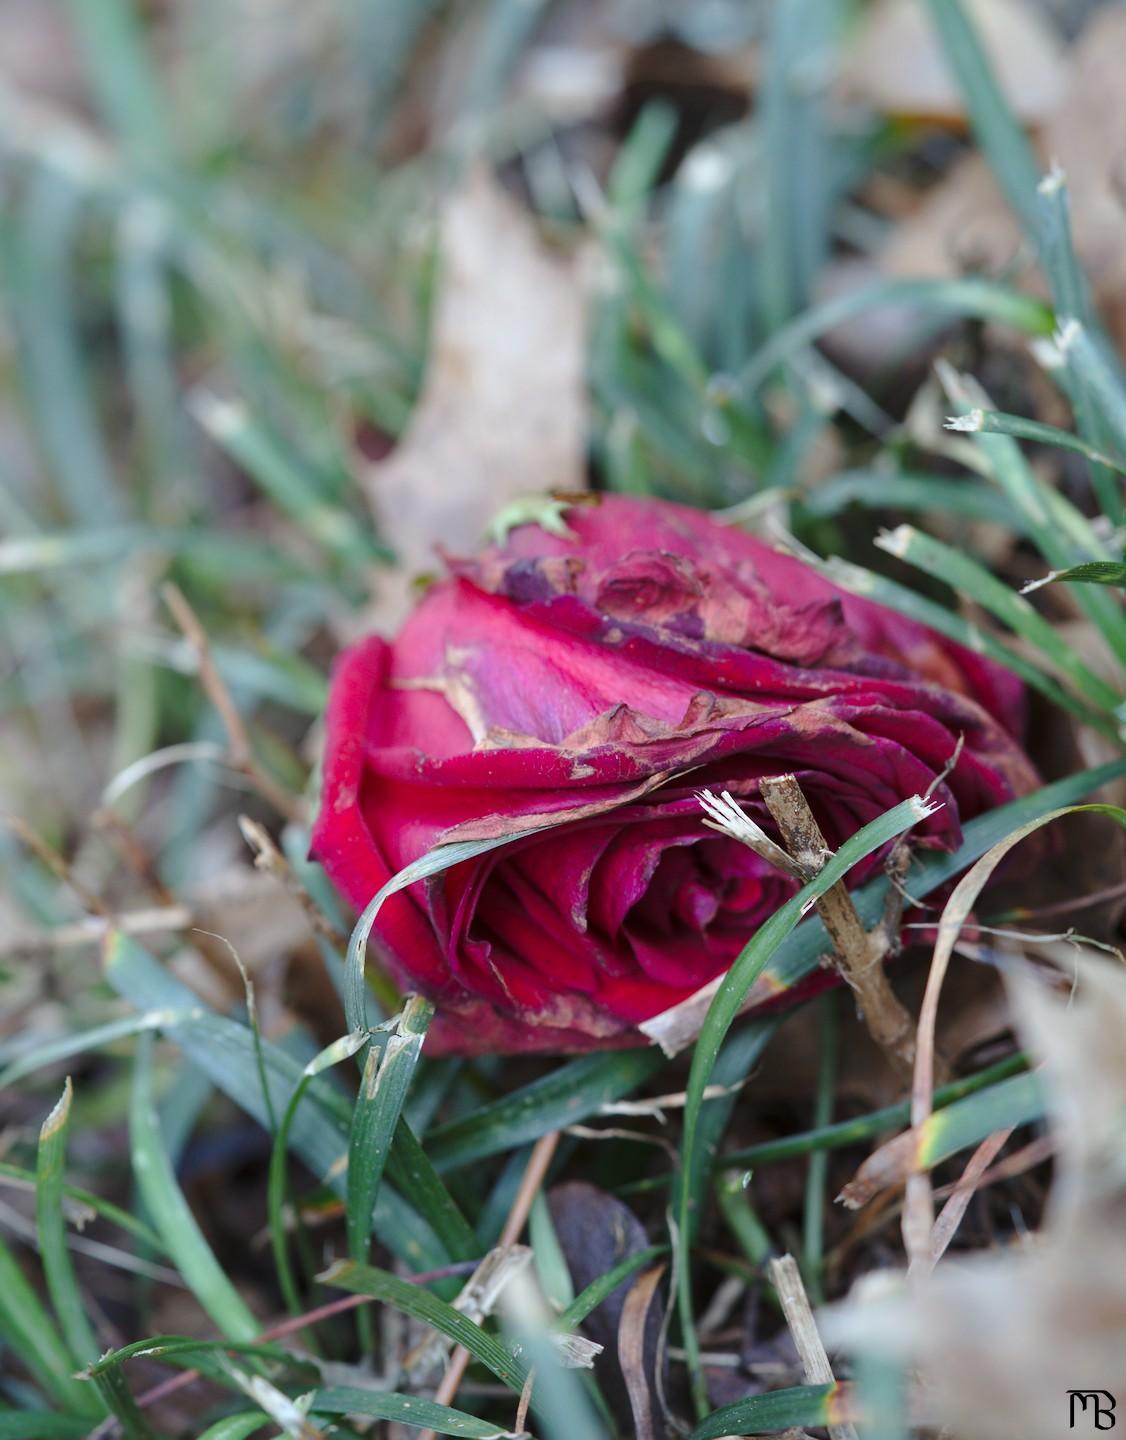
(404, 1410)
(801, 1408)
(965, 575)
(49, 1052)
(41, 1425)
(224, 1050)
(62, 1283)
(724, 1008)
(114, 1390)
(901, 490)
(972, 298)
(996, 128)
(342, 1049)
(236, 1427)
(27, 1331)
(170, 1213)
(1094, 572)
(593, 1295)
(1056, 526)
(388, 1069)
(795, 154)
(996, 422)
(865, 1127)
(817, 1173)
(564, 1096)
(419, 1303)
(124, 78)
(57, 377)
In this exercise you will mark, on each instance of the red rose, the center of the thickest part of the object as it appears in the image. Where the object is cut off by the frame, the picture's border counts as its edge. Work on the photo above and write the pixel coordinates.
(601, 681)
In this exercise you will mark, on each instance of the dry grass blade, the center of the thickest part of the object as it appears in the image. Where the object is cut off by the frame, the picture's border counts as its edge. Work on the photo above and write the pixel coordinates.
(534, 1174)
(238, 741)
(632, 1356)
(803, 1328)
(946, 1226)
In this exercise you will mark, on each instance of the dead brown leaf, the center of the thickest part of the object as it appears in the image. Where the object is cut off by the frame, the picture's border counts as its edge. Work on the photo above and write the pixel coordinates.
(503, 407)
(895, 62)
(964, 224)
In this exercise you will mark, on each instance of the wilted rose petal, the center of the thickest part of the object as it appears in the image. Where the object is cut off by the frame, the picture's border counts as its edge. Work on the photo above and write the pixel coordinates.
(596, 683)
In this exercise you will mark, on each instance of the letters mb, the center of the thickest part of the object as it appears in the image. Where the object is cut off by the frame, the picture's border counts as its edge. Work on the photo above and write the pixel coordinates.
(1102, 1401)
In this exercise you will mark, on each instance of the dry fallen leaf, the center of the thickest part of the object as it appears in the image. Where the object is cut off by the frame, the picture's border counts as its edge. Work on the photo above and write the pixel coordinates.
(964, 223)
(896, 64)
(503, 406)
(1000, 1339)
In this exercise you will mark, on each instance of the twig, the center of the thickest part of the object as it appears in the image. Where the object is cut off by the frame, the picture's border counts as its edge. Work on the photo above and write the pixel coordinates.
(534, 1173)
(92, 929)
(859, 955)
(238, 741)
(55, 863)
(268, 858)
(803, 1328)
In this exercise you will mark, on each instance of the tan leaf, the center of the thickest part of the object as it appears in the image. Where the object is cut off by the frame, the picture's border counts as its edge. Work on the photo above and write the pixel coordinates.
(896, 64)
(964, 224)
(503, 407)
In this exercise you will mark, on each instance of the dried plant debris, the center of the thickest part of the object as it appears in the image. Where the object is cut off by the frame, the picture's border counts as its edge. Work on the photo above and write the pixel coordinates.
(1001, 1339)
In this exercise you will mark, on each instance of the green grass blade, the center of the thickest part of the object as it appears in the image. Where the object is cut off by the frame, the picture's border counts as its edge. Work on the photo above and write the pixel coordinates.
(1018, 1101)
(745, 969)
(1094, 572)
(972, 298)
(342, 1049)
(996, 422)
(62, 1283)
(388, 1070)
(803, 1407)
(282, 477)
(566, 1095)
(105, 1208)
(59, 381)
(795, 155)
(170, 1213)
(965, 575)
(224, 1050)
(27, 1331)
(41, 1425)
(996, 128)
(884, 490)
(50, 1052)
(236, 1427)
(865, 1127)
(1062, 533)
(422, 1305)
(1099, 376)
(114, 1389)
(123, 75)
(403, 1410)
(597, 1291)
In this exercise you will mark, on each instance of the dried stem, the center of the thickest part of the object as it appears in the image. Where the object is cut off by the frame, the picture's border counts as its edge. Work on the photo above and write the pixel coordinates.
(803, 1328)
(240, 753)
(268, 858)
(534, 1174)
(859, 954)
